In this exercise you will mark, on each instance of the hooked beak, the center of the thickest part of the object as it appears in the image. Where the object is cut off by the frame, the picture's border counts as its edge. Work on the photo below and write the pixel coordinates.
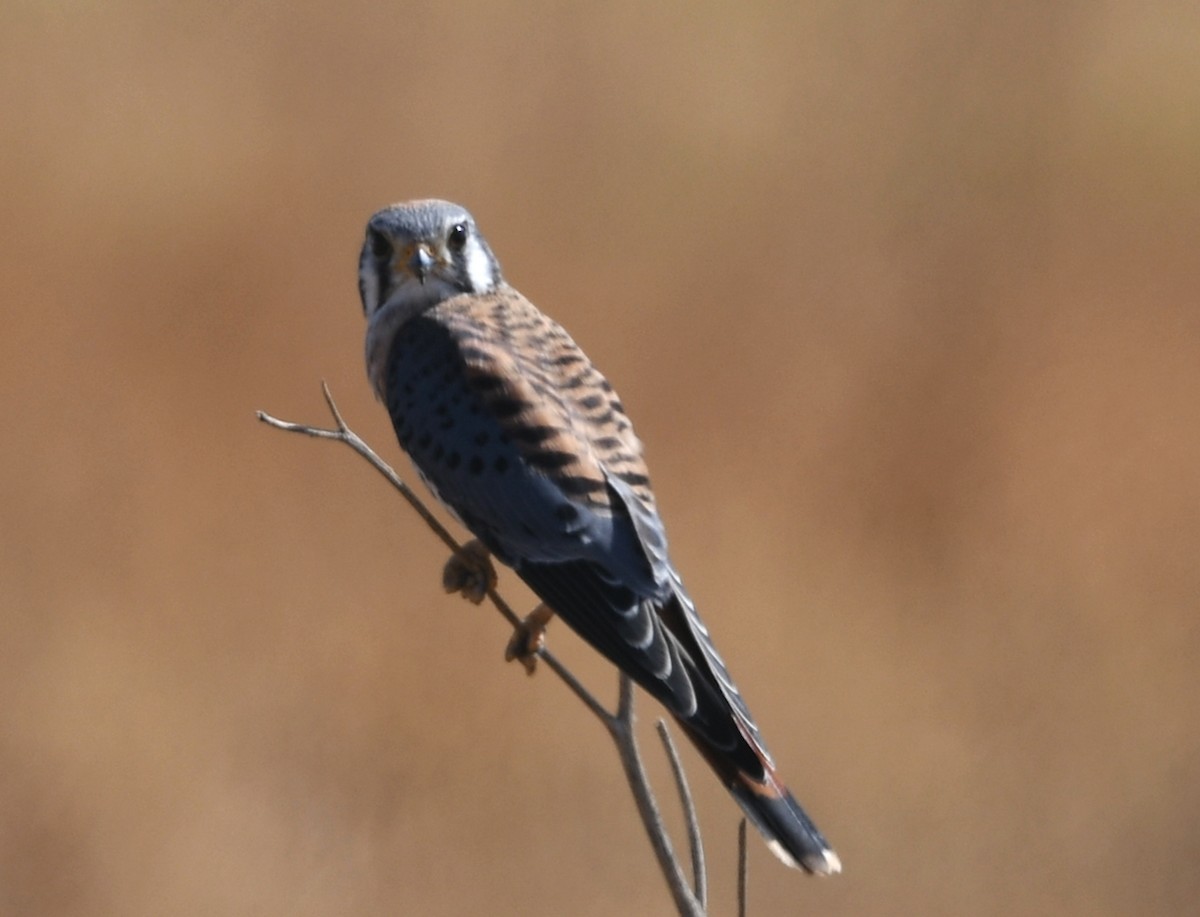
(420, 262)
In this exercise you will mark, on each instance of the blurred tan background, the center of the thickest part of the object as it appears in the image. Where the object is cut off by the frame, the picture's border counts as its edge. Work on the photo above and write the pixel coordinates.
(904, 298)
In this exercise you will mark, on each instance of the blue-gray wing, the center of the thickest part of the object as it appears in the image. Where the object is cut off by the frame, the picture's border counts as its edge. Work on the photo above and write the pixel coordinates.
(523, 439)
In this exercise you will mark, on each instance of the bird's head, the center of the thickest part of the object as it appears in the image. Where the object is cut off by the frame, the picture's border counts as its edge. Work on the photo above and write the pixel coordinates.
(419, 253)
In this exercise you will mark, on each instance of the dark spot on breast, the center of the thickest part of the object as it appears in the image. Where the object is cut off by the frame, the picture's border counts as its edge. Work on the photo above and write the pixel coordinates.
(579, 486)
(633, 479)
(453, 460)
(438, 452)
(505, 407)
(486, 382)
(475, 466)
(501, 464)
(590, 402)
(481, 439)
(550, 459)
(574, 382)
(424, 440)
(533, 435)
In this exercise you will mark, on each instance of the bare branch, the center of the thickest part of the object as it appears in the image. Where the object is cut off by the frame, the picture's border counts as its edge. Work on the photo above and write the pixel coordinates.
(620, 725)
(344, 434)
(741, 869)
(690, 819)
(621, 729)
(568, 678)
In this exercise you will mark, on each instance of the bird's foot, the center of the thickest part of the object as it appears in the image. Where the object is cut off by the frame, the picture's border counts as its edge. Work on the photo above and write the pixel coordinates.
(469, 572)
(529, 639)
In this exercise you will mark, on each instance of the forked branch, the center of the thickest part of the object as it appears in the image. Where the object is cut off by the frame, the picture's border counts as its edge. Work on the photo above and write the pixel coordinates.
(690, 899)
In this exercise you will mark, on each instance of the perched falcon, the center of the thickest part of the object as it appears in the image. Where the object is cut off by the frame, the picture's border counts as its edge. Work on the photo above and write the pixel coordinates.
(528, 446)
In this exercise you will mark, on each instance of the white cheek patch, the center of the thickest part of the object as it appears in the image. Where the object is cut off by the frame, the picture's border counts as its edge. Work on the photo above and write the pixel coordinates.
(480, 272)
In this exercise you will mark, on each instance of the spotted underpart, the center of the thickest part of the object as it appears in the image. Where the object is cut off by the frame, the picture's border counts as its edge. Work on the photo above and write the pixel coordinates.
(528, 445)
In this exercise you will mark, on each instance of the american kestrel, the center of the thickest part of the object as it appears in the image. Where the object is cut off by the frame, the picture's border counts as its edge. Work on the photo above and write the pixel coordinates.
(529, 447)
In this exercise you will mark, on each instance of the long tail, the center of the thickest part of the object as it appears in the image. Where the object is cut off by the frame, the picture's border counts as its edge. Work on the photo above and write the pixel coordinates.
(667, 650)
(790, 833)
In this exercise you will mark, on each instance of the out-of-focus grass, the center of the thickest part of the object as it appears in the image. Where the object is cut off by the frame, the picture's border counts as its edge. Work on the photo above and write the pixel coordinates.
(903, 301)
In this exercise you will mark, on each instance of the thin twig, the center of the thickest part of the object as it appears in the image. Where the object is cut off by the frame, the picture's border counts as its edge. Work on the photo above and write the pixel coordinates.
(620, 725)
(621, 729)
(568, 678)
(741, 870)
(690, 819)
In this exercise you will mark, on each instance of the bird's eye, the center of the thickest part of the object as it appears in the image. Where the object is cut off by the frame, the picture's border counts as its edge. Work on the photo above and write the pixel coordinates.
(458, 237)
(381, 248)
